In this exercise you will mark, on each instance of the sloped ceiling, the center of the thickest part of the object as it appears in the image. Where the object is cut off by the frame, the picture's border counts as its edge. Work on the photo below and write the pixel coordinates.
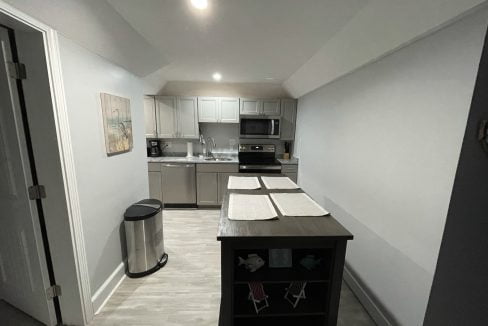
(95, 25)
(378, 29)
(245, 40)
(300, 44)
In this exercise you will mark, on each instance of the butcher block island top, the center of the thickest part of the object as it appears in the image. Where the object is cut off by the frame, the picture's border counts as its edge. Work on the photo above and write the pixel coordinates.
(283, 226)
(285, 271)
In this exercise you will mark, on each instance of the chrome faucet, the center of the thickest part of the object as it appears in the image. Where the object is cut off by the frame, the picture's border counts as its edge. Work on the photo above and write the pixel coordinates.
(210, 141)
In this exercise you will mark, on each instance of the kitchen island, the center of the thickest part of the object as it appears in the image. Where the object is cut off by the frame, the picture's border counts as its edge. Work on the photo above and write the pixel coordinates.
(320, 240)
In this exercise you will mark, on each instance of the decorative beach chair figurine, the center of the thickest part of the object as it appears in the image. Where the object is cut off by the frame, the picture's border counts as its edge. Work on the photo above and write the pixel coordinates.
(257, 296)
(295, 292)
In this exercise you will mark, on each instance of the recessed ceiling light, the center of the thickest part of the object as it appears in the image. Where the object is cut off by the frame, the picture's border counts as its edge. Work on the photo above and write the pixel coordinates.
(269, 78)
(217, 76)
(200, 4)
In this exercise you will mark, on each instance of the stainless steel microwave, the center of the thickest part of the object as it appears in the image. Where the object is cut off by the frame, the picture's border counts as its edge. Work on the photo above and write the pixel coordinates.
(260, 127)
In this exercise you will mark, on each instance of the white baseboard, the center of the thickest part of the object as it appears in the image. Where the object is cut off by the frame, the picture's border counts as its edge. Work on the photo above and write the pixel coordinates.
(370, 304)
(104, 292)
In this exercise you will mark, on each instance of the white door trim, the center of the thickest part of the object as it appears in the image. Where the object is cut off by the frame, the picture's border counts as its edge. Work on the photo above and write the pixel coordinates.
(66, 157)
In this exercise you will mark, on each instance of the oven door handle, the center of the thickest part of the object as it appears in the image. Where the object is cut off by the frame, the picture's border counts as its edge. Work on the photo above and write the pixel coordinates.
(272, 127)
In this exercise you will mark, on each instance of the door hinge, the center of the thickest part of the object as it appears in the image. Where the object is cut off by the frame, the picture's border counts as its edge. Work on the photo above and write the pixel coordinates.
(17, 70)
(53, 291)
(37, 192)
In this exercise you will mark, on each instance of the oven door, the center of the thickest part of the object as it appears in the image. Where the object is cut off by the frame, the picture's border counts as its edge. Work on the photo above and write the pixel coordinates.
(255, 127)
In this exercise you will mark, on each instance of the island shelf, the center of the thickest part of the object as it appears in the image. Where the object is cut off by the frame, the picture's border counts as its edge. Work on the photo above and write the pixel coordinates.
(322, 238)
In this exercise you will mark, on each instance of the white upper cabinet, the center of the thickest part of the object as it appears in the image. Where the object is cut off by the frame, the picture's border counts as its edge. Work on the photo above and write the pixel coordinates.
(208, 109)
(176, 117)
(229, 110)
(250, 106)
(288, 119)
(218, 109)
(270, 107)
(166, 116)
(187, 117)
(150, 117)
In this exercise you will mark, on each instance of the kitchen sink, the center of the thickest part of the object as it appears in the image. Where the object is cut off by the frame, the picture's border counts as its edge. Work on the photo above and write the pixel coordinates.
(218, 159)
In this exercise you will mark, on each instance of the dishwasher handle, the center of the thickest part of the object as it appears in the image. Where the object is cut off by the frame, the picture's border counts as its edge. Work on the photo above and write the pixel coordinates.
(178, 165)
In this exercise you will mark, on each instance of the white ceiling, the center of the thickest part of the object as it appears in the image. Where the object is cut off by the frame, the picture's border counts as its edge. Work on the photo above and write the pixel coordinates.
(246, 40)
(301, 44)
(96, 26)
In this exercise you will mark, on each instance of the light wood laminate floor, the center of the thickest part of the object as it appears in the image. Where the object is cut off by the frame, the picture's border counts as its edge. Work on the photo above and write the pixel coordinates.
(187, 290)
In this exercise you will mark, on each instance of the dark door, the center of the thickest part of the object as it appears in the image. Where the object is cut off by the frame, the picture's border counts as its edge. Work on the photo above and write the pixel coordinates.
(459, 294)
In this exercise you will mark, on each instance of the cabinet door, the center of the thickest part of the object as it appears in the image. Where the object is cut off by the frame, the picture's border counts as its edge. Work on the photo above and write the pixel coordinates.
(155, 189)
(223, 180)
(187, 117)
(207, 188)
(270, 107)
(288, 118)
(150, 117)
(166, 116)
(292, 175)
(250, 106)
(208, 109)
(229, 110)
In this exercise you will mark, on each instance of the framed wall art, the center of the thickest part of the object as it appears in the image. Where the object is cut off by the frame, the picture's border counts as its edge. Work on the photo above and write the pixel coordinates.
(117, 124)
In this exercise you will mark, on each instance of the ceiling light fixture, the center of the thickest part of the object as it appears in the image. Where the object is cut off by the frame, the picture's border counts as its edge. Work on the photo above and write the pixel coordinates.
(217, 76)
(200, 4)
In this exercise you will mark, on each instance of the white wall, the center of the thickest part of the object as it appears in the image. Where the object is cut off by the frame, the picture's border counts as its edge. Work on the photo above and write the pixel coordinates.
(106, 185)
(379, 149)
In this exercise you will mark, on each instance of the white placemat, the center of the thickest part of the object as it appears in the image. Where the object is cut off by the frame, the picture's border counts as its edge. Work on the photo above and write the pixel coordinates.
(243, 183)
(279, 183)
(250, 207)
(298, 204)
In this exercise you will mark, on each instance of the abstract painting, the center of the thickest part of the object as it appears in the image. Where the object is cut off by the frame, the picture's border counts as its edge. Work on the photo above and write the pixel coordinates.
(117, 124)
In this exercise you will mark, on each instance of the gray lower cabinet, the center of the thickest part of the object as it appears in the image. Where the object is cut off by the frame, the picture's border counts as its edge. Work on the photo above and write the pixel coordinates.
(155, 190)
(154, 176)
(207, 188)
(212, 182)
(293, 176)
(291, 171)
(223, 180)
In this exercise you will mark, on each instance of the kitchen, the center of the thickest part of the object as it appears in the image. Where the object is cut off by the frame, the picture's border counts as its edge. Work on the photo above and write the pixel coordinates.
(307, 162)
(199, 179)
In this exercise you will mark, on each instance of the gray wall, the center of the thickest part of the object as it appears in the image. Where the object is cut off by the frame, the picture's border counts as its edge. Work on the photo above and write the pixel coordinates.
(379, 148)
(106, 185)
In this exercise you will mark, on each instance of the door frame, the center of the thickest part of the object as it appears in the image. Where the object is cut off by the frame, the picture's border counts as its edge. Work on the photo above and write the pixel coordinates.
(81, 311)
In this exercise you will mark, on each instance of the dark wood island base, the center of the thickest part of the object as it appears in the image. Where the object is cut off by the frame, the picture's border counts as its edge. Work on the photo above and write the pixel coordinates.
(314, 253)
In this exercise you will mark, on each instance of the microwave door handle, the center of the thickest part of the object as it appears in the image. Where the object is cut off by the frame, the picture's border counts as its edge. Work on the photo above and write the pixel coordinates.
(272, 127)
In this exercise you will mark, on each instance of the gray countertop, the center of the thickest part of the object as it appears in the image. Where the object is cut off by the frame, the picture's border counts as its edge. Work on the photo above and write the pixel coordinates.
(290, 161)
(194, 159)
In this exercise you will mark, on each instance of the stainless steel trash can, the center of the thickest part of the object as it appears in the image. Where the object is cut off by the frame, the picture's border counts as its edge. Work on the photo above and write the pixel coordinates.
(143, 223)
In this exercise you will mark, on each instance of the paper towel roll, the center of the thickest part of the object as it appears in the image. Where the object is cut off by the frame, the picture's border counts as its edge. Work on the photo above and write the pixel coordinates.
(189, 149)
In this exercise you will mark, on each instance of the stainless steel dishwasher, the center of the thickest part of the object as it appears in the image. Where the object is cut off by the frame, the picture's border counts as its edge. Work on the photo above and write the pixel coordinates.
(179, 185)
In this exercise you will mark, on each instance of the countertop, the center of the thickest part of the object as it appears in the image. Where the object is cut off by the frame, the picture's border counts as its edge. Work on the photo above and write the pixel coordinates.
(285, 226)
(194, 159)
(290, 161)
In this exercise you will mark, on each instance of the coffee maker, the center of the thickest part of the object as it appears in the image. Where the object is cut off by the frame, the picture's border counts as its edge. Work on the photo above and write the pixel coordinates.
(154, 148)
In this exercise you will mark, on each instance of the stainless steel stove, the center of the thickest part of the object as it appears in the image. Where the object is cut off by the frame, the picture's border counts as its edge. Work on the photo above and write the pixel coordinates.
(257, 158)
